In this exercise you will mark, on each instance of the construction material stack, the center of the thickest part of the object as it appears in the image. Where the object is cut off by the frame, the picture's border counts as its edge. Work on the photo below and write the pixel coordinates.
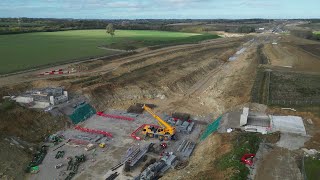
(134, 154)
(182, 126)
(185, 149)
(155, 170)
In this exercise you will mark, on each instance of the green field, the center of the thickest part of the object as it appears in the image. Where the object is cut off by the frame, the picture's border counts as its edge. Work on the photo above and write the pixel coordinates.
(25, 51)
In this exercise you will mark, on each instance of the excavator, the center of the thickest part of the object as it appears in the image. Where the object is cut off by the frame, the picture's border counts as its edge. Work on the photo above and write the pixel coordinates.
(164, 132)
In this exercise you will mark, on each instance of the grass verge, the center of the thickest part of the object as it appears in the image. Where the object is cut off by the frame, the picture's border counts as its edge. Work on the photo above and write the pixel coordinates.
(312, 167)
(244, 143)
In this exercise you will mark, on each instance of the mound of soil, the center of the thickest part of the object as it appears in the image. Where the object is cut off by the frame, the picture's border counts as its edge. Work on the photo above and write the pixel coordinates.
(21, 130)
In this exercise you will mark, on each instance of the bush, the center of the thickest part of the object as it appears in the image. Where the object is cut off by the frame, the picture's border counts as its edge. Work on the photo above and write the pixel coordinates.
(245, 29)
(7, 105)
(316, 36)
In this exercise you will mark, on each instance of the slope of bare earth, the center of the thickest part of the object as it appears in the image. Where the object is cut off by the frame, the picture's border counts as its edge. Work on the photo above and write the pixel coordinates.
(21, 130)
(146, 77)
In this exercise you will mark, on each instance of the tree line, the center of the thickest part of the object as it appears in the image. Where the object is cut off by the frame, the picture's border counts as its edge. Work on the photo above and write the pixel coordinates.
(25, 25)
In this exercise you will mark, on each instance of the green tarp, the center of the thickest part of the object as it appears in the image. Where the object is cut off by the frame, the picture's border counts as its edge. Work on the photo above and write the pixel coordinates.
(82, 113)
(211, 128)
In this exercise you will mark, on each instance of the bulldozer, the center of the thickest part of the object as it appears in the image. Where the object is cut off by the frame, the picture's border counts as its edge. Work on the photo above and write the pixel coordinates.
(165, 132)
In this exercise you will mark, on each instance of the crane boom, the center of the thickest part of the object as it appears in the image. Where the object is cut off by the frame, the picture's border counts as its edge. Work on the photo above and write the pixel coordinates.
(160, 121)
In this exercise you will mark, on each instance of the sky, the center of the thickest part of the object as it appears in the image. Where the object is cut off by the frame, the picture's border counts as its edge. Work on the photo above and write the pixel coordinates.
(161, 9)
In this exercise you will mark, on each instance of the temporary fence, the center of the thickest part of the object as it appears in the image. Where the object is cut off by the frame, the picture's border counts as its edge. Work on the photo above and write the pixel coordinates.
(295, 102)
(211, 128)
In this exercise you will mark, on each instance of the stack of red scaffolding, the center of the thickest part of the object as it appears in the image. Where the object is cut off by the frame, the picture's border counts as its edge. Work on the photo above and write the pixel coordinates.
(112, 116)
(94, 131)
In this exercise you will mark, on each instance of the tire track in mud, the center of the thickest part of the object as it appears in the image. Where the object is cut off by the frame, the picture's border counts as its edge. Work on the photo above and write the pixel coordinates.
(174, 49)
(152, 70)
(200, 86)
(175, 52)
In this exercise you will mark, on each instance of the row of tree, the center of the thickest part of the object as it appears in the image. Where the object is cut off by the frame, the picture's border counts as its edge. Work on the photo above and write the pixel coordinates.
(24, 25)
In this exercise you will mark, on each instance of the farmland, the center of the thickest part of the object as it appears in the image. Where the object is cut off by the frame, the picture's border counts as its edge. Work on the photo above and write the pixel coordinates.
(294, 88)
(25, 51)
(291, 76)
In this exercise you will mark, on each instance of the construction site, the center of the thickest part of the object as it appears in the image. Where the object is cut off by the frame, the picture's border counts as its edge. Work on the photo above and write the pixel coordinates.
(115, 140)
(219, 109)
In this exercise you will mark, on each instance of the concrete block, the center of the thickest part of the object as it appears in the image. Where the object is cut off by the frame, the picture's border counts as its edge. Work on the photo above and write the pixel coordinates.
(288, 124)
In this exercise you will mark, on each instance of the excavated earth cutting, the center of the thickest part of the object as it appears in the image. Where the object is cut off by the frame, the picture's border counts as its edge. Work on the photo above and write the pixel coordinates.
(196, 79)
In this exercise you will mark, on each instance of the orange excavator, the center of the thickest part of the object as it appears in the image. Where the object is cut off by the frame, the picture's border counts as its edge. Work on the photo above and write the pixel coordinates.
(164, 132)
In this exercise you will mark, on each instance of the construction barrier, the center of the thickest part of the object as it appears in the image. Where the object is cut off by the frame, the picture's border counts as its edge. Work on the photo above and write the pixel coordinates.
(93, 131)
(112, 116)
(211, 128)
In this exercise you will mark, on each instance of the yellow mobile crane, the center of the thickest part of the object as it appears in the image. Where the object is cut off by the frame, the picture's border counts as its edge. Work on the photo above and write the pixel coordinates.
(165, 132)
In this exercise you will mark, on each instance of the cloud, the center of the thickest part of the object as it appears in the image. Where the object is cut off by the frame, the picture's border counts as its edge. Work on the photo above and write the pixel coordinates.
(182, 2)
(158, 8)
(259, 4)
(97, 5)
(123, 5)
